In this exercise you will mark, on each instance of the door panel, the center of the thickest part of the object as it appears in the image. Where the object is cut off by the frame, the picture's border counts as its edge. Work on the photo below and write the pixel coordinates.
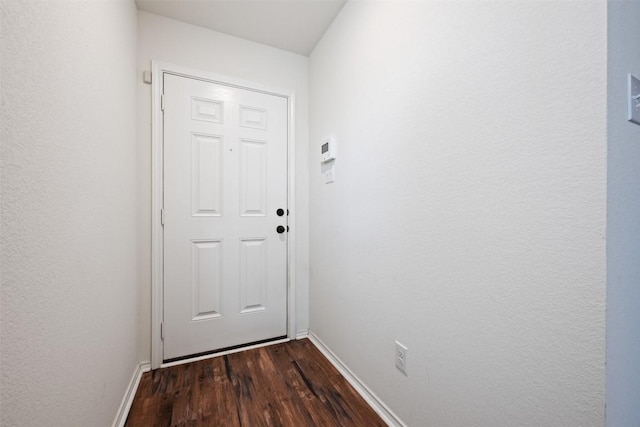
(253, 180)
(206, 279)
(206, 185)
(225, 176)
(253, 265)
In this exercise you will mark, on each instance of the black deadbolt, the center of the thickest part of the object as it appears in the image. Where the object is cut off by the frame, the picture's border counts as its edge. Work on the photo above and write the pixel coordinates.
(280, 212)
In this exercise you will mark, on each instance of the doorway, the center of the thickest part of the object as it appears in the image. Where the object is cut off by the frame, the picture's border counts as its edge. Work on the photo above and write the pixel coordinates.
(222, 185)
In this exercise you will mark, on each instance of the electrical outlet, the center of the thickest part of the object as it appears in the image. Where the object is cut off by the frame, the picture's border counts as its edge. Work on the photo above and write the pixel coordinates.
(401, 357)
(634, 100)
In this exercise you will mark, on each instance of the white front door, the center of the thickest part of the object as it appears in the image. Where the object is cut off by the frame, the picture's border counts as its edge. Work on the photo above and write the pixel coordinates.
(225, 216)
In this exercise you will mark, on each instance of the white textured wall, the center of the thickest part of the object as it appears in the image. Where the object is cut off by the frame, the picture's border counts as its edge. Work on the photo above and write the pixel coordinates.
(69, 275)
(468, 215)
(175, 42)
(623, 228)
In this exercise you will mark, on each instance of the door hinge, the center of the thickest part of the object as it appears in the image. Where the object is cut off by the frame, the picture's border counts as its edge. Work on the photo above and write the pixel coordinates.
(162, 217)
(162, 330)
(162, 102)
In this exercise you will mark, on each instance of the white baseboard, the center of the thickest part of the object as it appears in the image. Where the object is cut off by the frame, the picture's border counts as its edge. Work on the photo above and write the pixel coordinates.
(369, 396)
(127, 400)
(302, 334)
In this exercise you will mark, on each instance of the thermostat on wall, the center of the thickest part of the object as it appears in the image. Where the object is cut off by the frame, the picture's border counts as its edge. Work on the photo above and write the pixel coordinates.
(328, 150)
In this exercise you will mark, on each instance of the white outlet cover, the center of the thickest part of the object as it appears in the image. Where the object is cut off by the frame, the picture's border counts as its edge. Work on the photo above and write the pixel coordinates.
(634, 100)
(401, 357)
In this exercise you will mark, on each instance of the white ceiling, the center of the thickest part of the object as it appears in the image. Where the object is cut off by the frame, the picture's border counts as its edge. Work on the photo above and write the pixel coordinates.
(293, 25)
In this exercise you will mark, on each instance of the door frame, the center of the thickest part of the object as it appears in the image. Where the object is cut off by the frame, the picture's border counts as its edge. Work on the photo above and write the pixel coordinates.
(158, 68)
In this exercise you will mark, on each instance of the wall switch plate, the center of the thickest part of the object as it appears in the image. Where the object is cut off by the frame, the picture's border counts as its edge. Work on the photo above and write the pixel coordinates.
(328, 175)
(401, 357)
(634, 100)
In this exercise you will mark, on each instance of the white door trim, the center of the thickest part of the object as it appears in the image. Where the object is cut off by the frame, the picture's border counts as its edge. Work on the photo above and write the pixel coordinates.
(158, 69)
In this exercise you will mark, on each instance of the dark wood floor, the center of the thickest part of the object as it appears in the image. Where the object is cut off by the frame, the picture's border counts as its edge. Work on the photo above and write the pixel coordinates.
(289, 384)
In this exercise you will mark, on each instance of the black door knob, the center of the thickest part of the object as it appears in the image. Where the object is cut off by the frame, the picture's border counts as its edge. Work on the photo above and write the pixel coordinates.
(280, 229)
(280, 212)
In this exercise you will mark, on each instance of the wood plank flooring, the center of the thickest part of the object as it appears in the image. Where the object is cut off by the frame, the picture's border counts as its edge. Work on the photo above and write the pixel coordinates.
(288, 385)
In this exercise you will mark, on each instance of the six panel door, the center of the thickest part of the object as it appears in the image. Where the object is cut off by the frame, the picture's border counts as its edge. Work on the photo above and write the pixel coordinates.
(225, 177)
